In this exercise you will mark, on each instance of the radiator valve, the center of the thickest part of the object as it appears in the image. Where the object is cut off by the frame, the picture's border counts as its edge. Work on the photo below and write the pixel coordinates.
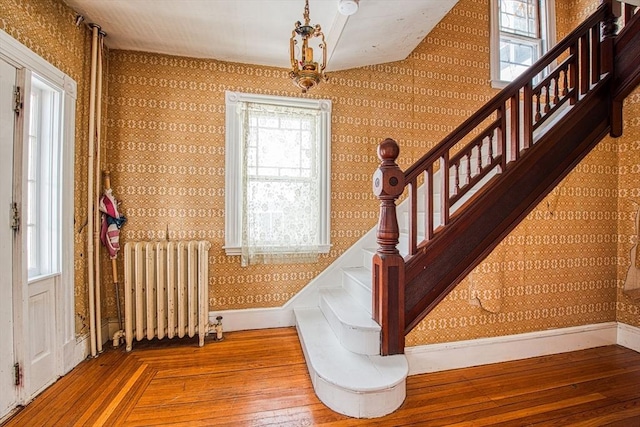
(217, 327)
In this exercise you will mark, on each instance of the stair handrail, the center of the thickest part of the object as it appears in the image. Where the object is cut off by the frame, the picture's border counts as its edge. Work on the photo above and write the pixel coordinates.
(565, 74)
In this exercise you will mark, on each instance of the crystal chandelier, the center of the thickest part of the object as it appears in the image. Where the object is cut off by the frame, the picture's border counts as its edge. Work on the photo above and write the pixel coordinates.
(305, 72)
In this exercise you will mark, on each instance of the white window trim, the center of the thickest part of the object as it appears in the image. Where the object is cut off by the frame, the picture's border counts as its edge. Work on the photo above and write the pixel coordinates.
(548, 24)
(233, 154)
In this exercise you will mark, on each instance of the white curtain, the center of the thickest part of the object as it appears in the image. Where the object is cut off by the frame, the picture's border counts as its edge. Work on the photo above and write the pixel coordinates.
(280, 182)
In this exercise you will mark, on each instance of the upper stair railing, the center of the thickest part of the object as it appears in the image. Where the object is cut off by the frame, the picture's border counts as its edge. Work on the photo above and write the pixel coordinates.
(466, 162)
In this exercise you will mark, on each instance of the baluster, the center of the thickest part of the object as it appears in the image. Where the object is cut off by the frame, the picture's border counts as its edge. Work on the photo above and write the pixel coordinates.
(515, 127)
(479, 165)
(388, 264)
(468, 157)
(573, 73)
(527, 113)
(584, 64)
(456, 188)
(538, 115)
(595, 54)
(556, 90)
(547, 105)
(629, 11)
(565, 82)
(429, 202)
(490, 138)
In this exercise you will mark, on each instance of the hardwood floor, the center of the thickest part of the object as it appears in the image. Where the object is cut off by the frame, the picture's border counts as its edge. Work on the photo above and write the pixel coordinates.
(259, 378)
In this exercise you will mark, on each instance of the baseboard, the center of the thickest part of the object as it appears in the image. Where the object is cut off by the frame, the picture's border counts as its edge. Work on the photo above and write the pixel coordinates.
(75, 351)
(254, 318)
(463, 354)
(629, 336)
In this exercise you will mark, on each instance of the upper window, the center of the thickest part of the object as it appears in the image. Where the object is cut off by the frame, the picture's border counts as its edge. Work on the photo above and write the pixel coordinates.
(277, 178)
(521, 32)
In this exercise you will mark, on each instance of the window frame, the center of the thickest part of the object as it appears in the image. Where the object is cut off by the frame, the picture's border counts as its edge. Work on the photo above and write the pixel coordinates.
(233, 164)
(44, 205)
(547, 17)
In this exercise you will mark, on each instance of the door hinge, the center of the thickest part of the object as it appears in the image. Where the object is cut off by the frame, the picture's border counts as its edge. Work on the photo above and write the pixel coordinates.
(17, 99)
(17, 374)
(15, 217)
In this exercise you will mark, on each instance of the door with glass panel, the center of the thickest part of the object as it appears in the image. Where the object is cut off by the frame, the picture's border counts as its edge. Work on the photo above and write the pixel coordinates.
(8, 394)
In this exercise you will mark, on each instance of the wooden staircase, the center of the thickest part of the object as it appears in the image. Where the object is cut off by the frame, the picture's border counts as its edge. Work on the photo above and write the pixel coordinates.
(509, 156)
(463, 197)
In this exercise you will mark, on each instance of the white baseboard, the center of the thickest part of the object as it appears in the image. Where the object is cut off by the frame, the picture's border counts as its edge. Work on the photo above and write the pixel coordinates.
(463, 354)
(254, 318)
(629, 336)
(75, 351)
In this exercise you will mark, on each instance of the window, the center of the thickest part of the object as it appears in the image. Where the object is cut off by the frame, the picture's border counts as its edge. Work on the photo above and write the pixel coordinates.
(43, 180)
(277, 189)
(521, 32)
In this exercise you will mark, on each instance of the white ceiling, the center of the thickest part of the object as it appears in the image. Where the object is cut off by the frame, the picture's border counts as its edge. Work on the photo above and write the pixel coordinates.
(258, 31)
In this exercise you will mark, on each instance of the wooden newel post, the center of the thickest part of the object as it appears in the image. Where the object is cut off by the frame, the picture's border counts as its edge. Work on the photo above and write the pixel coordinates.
(388, 264)
(609, 31)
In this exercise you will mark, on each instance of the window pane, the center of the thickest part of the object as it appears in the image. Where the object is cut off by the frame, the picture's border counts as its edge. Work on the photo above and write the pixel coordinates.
(281, 212)
(43, 183)
(515, 57)
(520, 17)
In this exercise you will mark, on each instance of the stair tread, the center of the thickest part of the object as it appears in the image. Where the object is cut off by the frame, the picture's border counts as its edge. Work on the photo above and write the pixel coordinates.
(341, 367)
(348, 310)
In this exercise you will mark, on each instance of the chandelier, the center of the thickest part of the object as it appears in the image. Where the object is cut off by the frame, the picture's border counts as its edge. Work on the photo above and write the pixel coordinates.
(305, 72)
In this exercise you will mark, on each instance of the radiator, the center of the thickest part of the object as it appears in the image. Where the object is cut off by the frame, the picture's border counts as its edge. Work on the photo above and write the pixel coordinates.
(166, 286)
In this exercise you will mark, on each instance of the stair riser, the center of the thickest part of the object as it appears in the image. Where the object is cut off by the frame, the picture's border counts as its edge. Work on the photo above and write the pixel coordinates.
(357, 340)
(358, 291)
(376, 405)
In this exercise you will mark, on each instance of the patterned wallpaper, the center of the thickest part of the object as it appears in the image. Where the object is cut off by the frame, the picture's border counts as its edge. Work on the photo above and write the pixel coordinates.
(628, 150)
(165, 148)
(47, 27)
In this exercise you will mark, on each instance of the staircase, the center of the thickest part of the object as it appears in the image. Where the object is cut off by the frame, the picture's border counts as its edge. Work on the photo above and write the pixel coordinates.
(499, 164)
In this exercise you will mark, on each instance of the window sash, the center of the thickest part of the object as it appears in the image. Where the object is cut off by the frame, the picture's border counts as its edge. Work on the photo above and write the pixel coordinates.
(517, 54)
(521, 17)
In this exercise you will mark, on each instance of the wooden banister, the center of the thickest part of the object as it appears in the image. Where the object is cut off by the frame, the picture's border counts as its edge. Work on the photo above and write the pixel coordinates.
(470, 160)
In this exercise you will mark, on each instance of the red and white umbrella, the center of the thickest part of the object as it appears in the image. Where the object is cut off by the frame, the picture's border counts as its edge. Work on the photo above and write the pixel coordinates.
(112, 221)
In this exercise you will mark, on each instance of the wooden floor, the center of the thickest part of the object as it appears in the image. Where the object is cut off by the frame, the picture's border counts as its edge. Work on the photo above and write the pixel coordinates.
(258, 378)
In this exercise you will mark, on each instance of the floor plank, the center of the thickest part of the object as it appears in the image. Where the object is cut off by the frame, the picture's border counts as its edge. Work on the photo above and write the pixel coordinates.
(259, 378)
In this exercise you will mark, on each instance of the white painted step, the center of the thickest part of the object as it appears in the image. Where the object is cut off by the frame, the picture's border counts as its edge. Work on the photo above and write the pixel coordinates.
(357, 282)
(351, 323)
(352, 384)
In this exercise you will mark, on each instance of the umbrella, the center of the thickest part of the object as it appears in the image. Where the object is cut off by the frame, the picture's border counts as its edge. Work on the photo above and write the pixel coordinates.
(112, 221)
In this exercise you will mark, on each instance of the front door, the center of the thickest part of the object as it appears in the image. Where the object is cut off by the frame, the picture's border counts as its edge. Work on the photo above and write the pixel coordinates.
(8, 391)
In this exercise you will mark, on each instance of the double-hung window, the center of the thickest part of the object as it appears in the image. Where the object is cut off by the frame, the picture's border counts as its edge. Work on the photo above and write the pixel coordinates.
(521, 32)
(277, 189)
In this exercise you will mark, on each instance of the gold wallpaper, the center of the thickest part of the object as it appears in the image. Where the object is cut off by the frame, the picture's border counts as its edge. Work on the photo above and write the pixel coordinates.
(48, 28)
(165, 148)
(628, 151)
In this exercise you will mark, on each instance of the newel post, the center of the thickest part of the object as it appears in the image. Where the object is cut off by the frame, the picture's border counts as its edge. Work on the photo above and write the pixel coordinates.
(609, 31)
(388, 264)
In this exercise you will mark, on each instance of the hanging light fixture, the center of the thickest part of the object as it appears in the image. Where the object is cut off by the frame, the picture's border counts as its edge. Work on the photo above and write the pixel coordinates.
(305, 72)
